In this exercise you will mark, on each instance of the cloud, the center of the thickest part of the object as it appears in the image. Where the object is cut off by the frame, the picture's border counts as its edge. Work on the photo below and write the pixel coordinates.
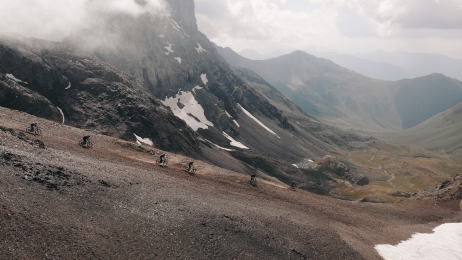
(54, 20)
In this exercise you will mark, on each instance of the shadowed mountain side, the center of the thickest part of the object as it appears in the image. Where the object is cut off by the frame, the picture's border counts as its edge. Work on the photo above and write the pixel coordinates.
(441, 133)
(347, 99)
(90, 93)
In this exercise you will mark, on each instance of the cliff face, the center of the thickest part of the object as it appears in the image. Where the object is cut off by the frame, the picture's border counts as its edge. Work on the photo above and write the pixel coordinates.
(42, 78)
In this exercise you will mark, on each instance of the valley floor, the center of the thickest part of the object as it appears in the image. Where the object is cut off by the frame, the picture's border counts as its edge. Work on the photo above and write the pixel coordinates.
(113, 202)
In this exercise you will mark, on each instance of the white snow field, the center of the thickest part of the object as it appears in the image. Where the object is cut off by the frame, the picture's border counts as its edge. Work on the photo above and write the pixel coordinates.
(237, 124)
(234, 142)
(199, 49)
(62, 114)
(11, 76)
(444, 243)
(140, 140)
(178, 59)
(192, 112)
(258, 121)
(204, 79)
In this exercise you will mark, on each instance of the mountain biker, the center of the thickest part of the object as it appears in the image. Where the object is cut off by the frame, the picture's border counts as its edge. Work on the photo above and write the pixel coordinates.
(293, 185)
(190, 166)
(162, 158)
(86, 139)
(33, 126)
(253, 178)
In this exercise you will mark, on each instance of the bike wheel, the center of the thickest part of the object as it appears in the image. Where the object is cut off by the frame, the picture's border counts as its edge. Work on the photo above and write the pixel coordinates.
(165, 162)
(29, 130)
(38, 132)
(89, 144)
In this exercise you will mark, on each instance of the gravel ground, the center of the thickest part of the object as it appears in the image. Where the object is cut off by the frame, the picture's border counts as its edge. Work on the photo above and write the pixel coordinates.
(113, 202)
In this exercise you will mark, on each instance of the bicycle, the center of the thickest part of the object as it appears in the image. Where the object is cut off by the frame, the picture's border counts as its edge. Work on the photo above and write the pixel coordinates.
(34, 130)
(253, 182)
(86, 144)
(190, 171)
(162, 163)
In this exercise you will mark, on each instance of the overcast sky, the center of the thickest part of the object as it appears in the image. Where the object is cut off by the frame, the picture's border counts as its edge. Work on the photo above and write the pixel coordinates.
(433, 26)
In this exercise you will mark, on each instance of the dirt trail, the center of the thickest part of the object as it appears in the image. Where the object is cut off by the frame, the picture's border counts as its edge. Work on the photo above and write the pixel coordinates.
(113, 202)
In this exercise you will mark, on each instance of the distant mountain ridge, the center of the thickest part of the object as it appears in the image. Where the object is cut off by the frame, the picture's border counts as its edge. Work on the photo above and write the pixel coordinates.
(345, 98)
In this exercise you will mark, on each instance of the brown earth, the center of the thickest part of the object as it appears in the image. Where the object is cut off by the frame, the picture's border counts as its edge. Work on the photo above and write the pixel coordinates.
(113, 202)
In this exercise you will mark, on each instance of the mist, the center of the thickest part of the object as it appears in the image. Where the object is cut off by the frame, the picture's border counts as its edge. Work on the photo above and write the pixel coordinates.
(55, 20)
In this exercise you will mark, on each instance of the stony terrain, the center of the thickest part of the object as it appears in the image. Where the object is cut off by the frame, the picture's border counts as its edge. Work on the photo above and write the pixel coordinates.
(60, 201)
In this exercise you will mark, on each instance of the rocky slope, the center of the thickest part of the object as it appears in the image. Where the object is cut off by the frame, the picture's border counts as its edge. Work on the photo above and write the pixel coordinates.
(42, 78)
(113, 201)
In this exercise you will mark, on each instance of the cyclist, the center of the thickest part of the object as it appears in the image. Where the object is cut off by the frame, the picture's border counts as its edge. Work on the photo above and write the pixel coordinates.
(86, 139)
(33, 126)
(190, 166)
(253, 178)
(293, 185)
(162, 158)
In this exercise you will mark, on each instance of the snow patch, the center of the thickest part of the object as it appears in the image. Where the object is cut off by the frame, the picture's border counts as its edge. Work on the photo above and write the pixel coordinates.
(444, 243)
(222, 148)
(192, 112)
(11, 76)
(204, 78)
(62, 114)
(140, 140)
(258, 121)
(295, 166)
(199, 49)
(228, 114)
(237, 124)
(161, 36)
(178, 59)
(234, 142)
(175, 25)
(69, 86)
(196, 88)
(168, 48)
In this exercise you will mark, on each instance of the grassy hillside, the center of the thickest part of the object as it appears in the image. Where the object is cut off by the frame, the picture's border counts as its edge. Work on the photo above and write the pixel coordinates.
(441, 133)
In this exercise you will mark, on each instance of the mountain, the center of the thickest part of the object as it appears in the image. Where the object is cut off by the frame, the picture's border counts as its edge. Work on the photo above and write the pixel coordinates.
(161, 82)
(347, 99)
(418, 64)
(439, 133)
(372, 69)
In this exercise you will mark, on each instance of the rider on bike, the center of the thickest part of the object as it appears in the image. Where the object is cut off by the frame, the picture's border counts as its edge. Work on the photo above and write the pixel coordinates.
(190, 166)
(33, 126)
(293, 185)
(253, 178)
(86, 139)
(162, 158)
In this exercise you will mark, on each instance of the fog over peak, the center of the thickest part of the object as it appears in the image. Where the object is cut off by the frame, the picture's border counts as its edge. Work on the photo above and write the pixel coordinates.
(54, 20)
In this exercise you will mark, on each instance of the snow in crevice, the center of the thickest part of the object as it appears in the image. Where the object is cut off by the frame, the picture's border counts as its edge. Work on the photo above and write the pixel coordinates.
(11, 76)
(140, 140)
(296, 166)
(192, 112)
(161, 36)
(204, 78)
(222, 148)
(178, 59)
(236, 123)
(175, 25)
(62, 114)
(199, 49)
(228, 114)
(196, 88)
(444, 243)
(234, 142)
(168, 48)
(69, 86)
(258, 121)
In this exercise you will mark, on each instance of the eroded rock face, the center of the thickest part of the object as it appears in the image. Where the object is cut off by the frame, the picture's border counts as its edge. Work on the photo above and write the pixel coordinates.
(450, 190)
(90, 93)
